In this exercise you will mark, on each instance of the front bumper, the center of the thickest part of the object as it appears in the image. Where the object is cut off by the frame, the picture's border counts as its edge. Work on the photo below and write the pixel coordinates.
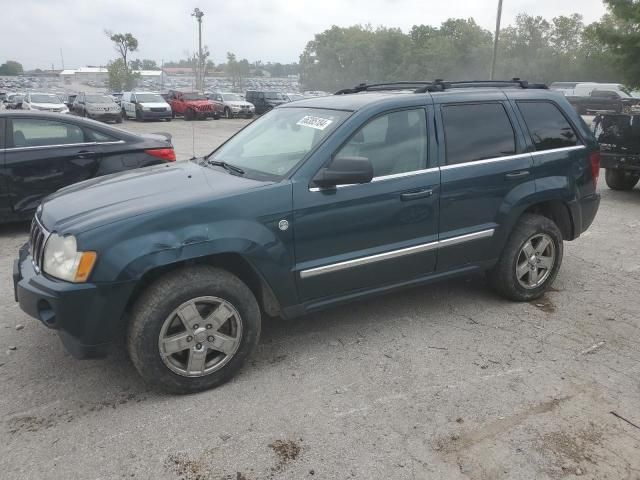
(87, 316)
(155, 115)
(242, 113)
(105, 116)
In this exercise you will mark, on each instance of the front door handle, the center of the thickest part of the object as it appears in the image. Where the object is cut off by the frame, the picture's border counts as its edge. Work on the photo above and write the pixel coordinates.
(520, 174)
(86, 154)
(405, 197)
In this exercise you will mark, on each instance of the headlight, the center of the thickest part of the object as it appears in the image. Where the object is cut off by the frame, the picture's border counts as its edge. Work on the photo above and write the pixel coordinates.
(146, 109)
(63, 260)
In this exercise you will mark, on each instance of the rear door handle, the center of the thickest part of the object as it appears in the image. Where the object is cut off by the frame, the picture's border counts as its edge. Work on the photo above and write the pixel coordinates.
(520, 174)
(86, 154)
(405, 197)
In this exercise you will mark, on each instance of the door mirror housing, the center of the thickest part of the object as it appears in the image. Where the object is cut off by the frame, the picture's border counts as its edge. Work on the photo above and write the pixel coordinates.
(344, 171)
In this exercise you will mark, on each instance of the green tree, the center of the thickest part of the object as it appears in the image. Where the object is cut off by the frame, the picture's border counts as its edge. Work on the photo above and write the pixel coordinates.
(123, 44)
(238, 70)
(121, 78)
(11, 68)
(620, 32)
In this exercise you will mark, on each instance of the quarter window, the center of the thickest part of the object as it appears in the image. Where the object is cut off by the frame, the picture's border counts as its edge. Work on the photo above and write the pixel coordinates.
(547, 125)
(477, 132)
(394, 143)
(30, 132)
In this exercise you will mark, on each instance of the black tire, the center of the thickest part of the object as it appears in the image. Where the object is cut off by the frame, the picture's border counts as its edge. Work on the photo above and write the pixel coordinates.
(123, 114)
(139, 116)
(119, 120)
(173, 114)
(620, 180)
(503, 277)
(166, 294)
(227, 112)
(168, 119)
(84, 114)
(189, 114)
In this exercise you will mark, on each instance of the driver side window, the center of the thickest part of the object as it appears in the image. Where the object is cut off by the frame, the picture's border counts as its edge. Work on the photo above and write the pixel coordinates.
(394, 143)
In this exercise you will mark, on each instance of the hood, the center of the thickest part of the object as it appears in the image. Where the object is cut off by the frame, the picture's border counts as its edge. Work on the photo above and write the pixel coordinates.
(102, 106)
(239, 103)
(49, 106)
(103, 200)
(198, 102)
(155, 104)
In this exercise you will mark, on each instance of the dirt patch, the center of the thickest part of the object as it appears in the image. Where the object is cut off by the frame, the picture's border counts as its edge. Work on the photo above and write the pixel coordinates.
(573, 452)
(30, 423)
(461, 441)
(545, 304)
(186, 467)
(287, 452)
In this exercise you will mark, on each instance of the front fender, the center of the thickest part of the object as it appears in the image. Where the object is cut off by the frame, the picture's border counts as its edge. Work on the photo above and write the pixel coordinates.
(248, 226)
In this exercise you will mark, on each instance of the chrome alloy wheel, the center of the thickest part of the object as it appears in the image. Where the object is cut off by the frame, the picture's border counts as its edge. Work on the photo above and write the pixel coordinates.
(535, 261)
(200, 336)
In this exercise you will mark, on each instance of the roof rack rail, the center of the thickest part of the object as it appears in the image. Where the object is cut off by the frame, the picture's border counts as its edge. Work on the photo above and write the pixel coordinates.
(440, 85)
(363, 87)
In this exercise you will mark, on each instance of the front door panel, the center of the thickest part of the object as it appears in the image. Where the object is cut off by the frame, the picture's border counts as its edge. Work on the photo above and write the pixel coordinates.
(383, 238)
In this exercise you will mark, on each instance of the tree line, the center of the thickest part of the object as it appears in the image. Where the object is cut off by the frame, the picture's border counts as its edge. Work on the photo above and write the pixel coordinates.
(533, 48)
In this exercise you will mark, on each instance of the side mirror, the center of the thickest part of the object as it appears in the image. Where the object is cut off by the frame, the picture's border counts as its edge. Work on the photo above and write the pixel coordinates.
(344, 171)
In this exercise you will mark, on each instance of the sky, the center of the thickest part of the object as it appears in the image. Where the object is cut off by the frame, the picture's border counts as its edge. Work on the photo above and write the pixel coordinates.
(267, 30)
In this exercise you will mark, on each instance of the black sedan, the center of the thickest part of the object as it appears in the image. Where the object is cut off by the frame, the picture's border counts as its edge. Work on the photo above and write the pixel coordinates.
(43, 152)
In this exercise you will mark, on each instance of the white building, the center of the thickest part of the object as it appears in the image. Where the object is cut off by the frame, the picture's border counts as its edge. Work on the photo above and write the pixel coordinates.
(101, 74)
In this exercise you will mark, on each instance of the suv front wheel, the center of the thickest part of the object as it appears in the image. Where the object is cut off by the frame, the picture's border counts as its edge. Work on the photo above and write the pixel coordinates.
(530, 260)
(193, 329)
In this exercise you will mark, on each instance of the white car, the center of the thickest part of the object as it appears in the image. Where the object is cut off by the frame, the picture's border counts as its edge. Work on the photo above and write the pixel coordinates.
(145, 105)
(47, 102)
(234, 105)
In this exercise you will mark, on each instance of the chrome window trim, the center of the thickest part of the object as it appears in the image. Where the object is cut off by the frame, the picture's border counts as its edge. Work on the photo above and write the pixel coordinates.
(511, 157)
(561, 149)
(381, 178)
(486, 160)
(425, 247)
(84, 144)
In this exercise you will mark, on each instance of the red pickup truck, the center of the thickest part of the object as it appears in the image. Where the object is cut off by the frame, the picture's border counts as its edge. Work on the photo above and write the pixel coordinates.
(193, 105)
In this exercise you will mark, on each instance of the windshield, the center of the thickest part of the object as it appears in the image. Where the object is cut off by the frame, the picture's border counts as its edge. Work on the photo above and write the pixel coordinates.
(149, 98)
(279, 140)
(44, 98)
(232, 97)
(273, 96)
(99, 99)
(193, 96)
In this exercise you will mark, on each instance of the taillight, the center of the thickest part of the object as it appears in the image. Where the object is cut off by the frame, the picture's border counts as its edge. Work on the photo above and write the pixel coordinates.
(594, 160)
(166, 154)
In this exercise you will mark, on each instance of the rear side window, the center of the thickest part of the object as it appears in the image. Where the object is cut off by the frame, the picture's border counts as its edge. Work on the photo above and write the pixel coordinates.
(477, 132)
(548, 126)
(29, 132)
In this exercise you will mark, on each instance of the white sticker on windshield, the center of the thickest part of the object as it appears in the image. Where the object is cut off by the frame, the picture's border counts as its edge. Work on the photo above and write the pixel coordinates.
(318, 123)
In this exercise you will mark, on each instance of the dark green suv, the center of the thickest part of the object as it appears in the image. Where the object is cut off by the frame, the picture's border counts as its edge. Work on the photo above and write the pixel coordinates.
(319, 202)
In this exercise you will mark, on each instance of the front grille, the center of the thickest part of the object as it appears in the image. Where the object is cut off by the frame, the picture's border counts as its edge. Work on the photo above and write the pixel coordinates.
(158, 109)
(38, 237)
(205, 108)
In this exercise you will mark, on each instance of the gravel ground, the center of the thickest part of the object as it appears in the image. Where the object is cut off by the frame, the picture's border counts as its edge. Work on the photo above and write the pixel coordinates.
(442, 382)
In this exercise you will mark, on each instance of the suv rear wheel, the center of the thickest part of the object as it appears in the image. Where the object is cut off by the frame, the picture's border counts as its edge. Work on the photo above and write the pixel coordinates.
(530, 260)
(620, 180)
(193, 329)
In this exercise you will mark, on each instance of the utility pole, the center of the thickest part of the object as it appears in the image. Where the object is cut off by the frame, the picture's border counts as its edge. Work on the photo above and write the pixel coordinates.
(62, 59)
(199, 72)
(495, 41)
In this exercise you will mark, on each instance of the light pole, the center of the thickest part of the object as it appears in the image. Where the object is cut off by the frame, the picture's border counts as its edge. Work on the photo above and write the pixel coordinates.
(495, 41)
(199, 72)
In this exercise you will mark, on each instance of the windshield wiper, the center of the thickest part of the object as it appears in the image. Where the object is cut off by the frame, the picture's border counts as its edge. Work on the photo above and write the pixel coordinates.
(226, 166)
